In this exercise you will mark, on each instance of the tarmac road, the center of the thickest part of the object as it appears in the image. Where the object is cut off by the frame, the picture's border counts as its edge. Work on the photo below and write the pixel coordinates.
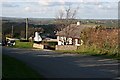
(51, 64)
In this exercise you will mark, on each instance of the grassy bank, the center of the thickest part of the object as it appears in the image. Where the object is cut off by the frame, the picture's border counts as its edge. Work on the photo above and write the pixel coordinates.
(13, 68)
(93, 51)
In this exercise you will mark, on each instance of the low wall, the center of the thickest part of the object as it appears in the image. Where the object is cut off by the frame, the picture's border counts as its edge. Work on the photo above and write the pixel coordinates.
(66, 47)
(40, 46)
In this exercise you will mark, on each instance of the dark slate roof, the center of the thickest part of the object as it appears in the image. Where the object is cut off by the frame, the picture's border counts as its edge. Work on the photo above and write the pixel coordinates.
(72, 31)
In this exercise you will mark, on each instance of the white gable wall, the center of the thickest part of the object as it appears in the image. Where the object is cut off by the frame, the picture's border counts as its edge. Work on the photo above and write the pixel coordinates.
(76, 42)
(58, 39)
(61, 41)
(70, 40)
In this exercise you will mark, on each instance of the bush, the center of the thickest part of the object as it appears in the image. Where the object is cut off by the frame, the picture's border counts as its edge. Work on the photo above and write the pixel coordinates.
(100, 41)
(89, 49)
(94, 50)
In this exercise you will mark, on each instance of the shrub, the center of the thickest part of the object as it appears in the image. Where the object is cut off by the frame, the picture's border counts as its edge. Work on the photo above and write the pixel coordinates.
(100, 41)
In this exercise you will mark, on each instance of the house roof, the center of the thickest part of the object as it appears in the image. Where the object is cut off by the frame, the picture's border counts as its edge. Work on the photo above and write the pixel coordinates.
(72, 31)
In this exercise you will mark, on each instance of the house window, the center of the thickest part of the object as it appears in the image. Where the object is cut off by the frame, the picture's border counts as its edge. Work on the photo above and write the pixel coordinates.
(78, 41)
(73, 41)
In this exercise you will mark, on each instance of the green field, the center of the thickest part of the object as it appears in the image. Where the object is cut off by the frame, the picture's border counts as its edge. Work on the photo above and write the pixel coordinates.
(23, 44)
(13, 68)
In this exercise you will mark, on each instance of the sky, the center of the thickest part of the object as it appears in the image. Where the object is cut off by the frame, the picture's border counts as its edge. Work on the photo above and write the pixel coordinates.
(88, 9)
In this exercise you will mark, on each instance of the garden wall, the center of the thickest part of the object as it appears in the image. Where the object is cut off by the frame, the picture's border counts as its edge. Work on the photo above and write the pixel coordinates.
(40, 46)
(66, 47)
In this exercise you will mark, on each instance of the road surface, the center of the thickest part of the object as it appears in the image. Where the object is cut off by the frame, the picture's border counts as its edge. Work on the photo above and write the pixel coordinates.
(51, 64)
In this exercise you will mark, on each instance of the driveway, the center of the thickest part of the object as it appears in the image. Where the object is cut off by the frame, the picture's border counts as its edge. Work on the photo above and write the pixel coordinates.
(51, 64)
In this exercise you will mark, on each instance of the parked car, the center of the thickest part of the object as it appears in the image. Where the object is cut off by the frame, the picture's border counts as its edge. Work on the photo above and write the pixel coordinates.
(11, 43)
(2, 43)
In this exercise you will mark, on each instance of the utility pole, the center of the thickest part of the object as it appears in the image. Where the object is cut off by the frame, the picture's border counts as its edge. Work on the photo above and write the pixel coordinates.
(26, 28)
(12, 32)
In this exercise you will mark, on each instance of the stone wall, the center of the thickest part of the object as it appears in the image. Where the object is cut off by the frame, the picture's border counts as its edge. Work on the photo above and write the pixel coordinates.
(40, 46)
(66, 47)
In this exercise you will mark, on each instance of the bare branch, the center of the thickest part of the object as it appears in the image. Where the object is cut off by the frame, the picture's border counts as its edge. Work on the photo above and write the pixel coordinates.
(74, 13)
(68, 12)
(69, 17)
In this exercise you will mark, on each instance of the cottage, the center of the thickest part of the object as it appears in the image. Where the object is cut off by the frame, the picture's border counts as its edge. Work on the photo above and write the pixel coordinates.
(37, 37)
(71, 35)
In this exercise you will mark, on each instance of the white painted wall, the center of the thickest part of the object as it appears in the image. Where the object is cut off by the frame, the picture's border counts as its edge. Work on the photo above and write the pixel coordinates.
(61, 41)
(69, 40)
(37, 37)
(76, 42)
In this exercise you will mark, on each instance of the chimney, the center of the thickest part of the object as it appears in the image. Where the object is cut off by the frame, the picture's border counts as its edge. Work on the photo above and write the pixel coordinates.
(78, 23)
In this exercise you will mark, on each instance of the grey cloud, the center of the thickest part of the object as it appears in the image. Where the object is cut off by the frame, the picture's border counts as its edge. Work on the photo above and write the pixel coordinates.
(52, 4)
(6, 4)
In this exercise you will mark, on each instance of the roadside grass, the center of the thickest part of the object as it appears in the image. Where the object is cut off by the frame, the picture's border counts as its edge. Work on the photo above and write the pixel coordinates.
(89, 53)
(13, 68)
(23, 44)
(93, 51)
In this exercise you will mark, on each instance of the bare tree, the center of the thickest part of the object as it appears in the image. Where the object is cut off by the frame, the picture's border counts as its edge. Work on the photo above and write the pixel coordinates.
(67, 14)
(60, 14)
(65, 18)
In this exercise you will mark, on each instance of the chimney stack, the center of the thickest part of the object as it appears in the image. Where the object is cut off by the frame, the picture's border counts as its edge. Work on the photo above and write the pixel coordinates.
(78, 23)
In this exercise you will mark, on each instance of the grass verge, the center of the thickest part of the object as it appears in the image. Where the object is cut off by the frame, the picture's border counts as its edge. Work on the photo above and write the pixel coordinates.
(89, 53)
(13, 68)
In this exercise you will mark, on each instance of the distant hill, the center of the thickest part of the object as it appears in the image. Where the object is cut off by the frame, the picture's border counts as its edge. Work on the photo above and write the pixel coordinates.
(36, 21)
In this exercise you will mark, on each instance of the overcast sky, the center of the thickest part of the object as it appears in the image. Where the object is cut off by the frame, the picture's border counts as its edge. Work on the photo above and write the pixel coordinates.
(88, 9)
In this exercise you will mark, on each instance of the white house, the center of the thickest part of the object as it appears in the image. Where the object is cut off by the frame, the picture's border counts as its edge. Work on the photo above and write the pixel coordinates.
(37, 37)
(71, 35)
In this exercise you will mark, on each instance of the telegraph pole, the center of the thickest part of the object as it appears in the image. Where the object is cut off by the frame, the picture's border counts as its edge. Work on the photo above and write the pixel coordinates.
(12, 32)
(26, 28)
